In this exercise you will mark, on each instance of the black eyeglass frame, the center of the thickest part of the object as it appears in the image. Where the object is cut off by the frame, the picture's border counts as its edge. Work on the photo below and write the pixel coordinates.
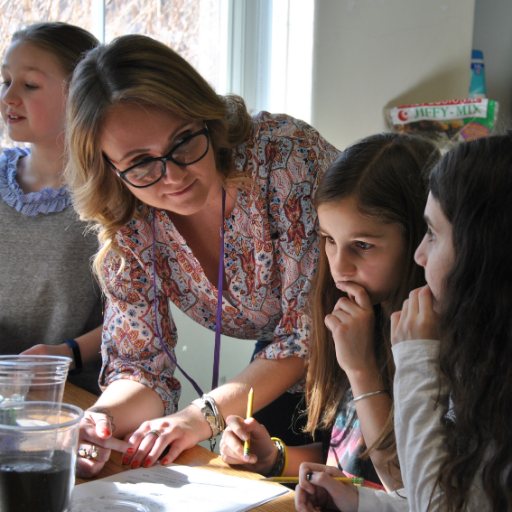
(164, 159)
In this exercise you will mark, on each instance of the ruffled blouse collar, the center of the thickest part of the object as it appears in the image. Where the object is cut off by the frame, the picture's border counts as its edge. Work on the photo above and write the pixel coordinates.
(48, 200)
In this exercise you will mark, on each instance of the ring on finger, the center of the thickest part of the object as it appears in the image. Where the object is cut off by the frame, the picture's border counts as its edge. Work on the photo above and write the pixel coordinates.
(93, 454)
(157, 433)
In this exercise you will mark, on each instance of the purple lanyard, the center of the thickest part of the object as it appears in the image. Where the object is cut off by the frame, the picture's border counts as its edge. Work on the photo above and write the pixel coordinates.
(218, 326)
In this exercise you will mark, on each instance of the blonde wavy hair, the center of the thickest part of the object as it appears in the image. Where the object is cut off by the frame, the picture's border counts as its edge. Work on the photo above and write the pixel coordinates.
(138, 69)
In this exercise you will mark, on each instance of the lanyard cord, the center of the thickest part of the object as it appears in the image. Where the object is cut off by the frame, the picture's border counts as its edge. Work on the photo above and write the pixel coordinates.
(218, 326)
(220, 286)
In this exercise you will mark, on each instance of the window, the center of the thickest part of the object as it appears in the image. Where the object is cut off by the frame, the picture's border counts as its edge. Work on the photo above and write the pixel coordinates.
(193, 28)
(270, 54)
(260, 49)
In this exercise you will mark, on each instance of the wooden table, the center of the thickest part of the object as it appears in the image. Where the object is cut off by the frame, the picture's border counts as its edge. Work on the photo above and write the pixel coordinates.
(195, 457)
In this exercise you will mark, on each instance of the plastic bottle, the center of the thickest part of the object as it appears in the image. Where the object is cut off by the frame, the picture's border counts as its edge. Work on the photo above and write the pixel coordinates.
(477, 85)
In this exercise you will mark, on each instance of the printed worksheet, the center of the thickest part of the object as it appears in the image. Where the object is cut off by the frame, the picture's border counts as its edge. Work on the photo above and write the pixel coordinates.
(172, 488)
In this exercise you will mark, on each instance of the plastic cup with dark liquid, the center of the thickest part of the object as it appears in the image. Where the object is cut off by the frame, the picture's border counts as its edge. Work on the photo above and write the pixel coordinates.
(38, 446)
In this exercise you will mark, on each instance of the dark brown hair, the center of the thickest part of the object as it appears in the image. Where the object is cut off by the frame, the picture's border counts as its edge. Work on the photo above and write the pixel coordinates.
(385, 174)
(473, 186)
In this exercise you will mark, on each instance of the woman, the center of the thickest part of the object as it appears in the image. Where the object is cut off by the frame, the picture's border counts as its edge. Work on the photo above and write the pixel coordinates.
(160, 218)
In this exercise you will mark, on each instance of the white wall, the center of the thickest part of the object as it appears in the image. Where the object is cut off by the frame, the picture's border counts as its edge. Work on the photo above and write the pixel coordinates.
(195, 355)
(373, 54)
(493, 35)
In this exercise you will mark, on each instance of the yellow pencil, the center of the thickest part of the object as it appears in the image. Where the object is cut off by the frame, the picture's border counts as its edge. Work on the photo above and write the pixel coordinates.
(250, 400)
(295, 479)
(344, 479)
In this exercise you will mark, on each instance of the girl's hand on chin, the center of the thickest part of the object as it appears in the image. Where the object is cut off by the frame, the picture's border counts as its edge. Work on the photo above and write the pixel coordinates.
(352, 325)
(417, 320)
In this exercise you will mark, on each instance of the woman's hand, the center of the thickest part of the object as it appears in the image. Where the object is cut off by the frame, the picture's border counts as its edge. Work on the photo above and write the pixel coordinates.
(320, 490)
(95, 442)
(417, 320)
(263, 452)
(352, 324)
(179, 432)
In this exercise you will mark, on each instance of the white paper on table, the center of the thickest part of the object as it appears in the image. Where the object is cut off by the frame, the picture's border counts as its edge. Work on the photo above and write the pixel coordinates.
(176, 488)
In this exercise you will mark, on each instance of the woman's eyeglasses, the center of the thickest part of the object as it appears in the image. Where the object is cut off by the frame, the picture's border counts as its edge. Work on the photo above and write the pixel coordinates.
(151, 170)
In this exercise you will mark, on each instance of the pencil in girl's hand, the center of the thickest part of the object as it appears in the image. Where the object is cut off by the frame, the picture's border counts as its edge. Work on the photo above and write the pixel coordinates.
(250, 400)
(295, 479)
(347, 480)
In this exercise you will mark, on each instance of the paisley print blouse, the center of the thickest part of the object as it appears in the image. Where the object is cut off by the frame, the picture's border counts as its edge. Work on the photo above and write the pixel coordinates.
(270, 255)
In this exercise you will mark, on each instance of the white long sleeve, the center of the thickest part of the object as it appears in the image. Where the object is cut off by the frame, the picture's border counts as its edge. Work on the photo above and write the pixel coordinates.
(421, 401)
(380, 501)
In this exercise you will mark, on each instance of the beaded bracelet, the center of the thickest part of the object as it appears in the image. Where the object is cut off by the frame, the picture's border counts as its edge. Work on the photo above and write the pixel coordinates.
(281, 464)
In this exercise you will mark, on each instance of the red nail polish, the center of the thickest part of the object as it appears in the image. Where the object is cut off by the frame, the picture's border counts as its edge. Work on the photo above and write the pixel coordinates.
(105, 432)
(146, 463)
(135, 464)
(124, 461)
(130, 450)
(165, 461)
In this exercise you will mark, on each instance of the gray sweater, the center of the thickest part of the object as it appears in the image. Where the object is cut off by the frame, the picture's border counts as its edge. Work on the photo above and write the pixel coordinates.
(47, 293)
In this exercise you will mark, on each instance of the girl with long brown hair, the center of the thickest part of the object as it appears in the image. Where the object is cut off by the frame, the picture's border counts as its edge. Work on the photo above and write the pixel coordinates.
(452, 346)
(370, 205)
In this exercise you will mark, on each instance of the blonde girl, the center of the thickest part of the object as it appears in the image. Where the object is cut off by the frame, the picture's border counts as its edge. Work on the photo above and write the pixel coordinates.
(49, 295)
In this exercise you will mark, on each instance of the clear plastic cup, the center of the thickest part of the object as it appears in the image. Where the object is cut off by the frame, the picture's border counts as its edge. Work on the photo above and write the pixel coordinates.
(37, 456)
(33, 378)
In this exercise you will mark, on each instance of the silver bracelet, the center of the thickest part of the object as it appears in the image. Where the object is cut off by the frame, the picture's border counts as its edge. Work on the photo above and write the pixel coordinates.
(366, 395)
(221, 424)
(211, 412)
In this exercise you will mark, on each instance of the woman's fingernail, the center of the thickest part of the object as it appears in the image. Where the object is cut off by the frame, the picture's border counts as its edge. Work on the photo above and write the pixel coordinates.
(165, 461)
(146, 463)
(105, 432)
(130, 450)
(135, 464)
(246, 458)
(125, 461)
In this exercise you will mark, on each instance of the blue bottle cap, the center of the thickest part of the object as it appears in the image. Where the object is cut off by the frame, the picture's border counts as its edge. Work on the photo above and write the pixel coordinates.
(477, 54)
